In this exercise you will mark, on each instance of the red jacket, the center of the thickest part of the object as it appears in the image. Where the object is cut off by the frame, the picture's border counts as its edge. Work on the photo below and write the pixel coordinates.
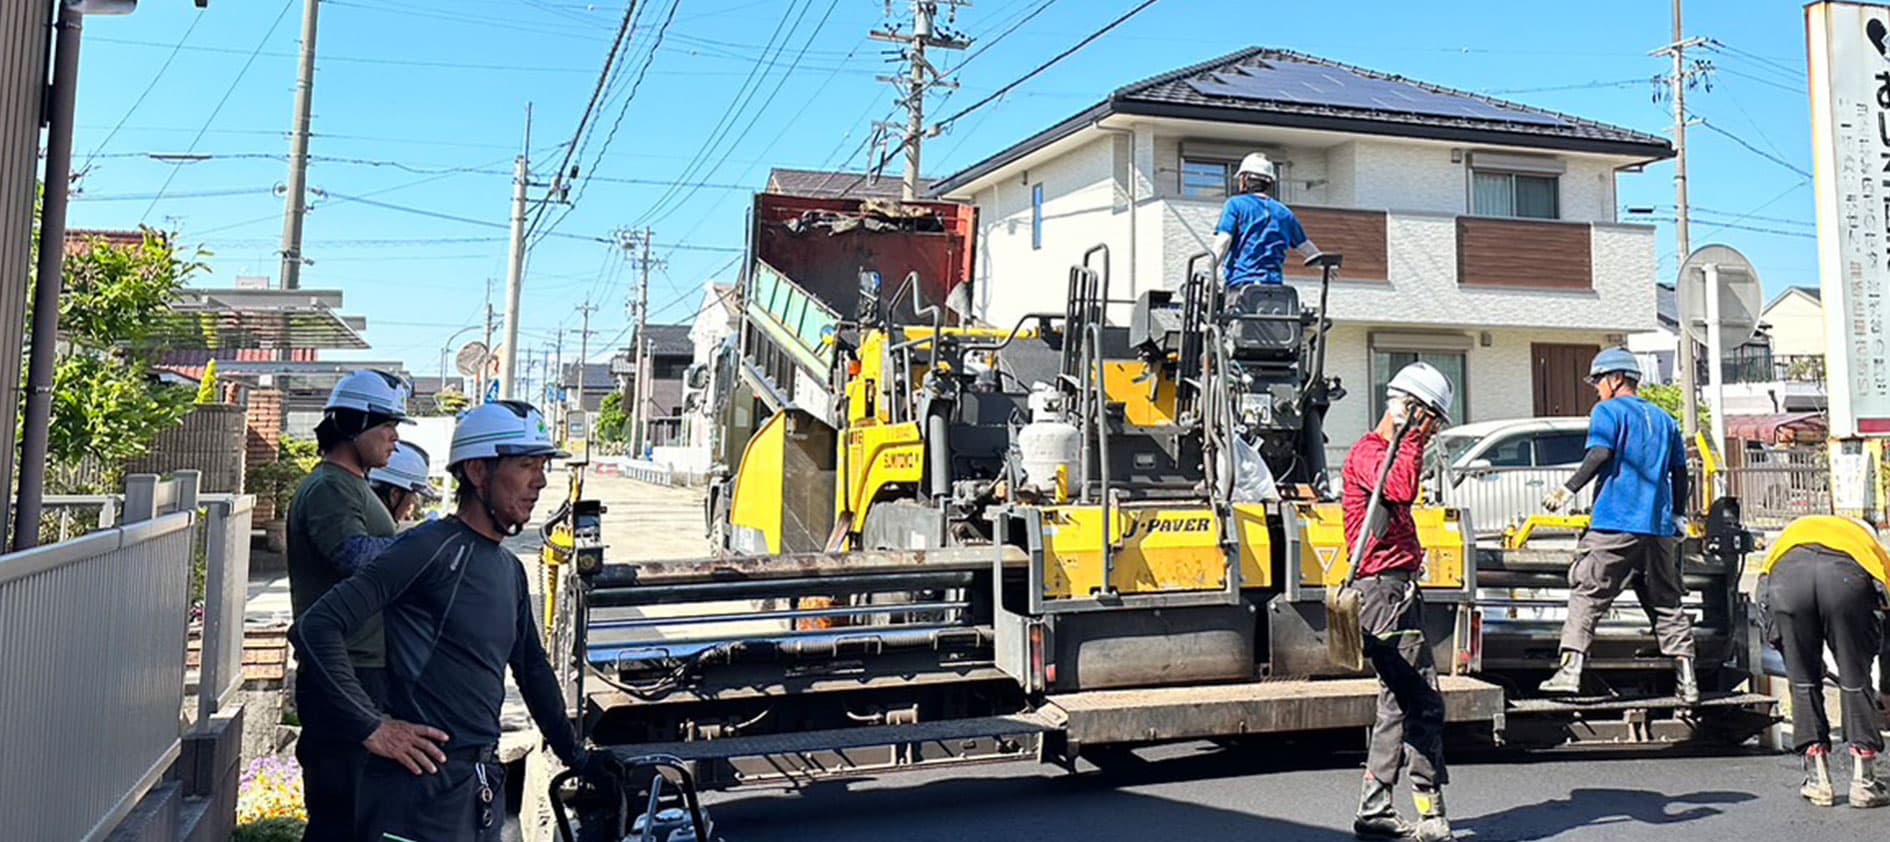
(1397, 548)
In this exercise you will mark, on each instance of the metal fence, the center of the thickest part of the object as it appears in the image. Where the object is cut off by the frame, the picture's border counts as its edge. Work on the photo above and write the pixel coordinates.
(226, 538)
(1776, 487)
(92, 634)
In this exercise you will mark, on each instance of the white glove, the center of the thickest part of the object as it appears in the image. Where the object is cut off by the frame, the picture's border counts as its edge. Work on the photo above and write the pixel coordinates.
(1555, 500)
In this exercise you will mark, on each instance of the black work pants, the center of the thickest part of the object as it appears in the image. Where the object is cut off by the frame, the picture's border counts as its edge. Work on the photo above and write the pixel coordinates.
(1818, 597)
(1410, 709)
(463, 802)
(331, 762)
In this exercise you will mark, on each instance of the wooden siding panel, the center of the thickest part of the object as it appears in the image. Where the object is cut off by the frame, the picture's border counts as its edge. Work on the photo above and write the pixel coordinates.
(1358, 234)
(1524, 254)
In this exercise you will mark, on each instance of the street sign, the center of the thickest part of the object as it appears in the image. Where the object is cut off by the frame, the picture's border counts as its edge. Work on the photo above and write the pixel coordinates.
(577, 426)
(1846, 44)
(492, 391)
(1740, 298)
(469, 358)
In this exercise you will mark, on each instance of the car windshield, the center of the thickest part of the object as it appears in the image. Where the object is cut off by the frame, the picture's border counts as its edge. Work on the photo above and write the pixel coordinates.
(1453, 447)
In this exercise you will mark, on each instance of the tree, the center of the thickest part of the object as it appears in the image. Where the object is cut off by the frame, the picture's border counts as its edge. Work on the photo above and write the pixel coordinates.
(611, 419)
(207, 388)
(1670, 398)
(107, 401)
(451, 402)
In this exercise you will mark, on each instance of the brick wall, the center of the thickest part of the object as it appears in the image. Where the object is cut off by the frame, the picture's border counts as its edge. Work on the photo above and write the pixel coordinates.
(263, 438)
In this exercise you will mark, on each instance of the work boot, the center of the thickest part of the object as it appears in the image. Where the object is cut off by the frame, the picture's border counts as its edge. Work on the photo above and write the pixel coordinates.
(1867, 790)
(1433, 825)
(1377, 817)
(1686, 685)
(1566, 681)
(1817, 787)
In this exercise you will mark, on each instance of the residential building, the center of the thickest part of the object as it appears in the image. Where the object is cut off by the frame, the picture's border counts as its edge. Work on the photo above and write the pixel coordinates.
(1797, 320)
(1479, 235)
(598, 382)
(835, 184)
(716, 321)
(427, 390)
(670, 354)
(1755, 380)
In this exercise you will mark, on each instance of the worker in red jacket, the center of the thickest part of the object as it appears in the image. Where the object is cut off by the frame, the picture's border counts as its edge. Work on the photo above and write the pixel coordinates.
(1391, 611)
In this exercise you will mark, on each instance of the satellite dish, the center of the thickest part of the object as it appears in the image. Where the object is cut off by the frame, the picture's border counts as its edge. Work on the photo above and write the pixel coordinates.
(1740, 298)
(470, 356)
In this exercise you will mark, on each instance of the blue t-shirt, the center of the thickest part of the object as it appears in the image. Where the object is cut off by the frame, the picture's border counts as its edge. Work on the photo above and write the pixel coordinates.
(1263, 229)
(1636, 486)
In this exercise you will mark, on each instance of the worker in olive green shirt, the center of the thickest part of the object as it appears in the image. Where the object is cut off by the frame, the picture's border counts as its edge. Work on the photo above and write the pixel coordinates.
(336, 526)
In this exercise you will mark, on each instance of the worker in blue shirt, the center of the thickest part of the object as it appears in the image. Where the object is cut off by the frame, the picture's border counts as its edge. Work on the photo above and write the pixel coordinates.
(1256, 229)
(1634, 448)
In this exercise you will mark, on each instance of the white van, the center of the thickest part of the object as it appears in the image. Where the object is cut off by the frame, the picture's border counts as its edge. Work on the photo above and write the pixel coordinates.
(1498, 471)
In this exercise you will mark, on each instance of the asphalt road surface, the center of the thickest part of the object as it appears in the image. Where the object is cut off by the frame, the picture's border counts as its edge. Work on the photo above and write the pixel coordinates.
(1203, 792)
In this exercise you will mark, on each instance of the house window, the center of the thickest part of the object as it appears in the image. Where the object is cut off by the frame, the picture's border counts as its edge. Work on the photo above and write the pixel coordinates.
(1203, 178)
(1515, 194)
(1453, 364)
(1036, 216)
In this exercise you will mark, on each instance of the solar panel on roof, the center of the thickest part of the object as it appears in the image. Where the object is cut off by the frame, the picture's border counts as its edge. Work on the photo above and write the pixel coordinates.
(1319, 84)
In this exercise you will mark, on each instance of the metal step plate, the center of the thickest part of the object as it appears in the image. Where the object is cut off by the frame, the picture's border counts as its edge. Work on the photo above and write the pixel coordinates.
(1263, 707)
(1599, 704)
(765, 745)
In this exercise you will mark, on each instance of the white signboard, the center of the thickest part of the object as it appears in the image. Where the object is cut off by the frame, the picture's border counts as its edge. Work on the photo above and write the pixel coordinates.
(1849, 49)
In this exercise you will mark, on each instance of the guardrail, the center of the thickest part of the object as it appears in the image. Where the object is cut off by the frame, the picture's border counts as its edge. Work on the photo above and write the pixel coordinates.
(92, 634)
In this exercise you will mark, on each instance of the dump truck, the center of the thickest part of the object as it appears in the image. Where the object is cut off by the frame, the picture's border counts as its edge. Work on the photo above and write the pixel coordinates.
(1098, 528)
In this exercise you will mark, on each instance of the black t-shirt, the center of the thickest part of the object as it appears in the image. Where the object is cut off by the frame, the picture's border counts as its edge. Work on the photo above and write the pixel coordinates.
(457, 611)
(331, 507)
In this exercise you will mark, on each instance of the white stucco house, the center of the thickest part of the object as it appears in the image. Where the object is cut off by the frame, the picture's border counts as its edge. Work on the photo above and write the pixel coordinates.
(1796, 317)
(1478, 234)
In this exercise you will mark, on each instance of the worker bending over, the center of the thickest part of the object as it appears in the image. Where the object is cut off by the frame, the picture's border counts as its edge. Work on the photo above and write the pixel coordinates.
(1256, 230)
(1634, 449)
(457, 613)
(335, 526)
(1824, 585)
(1391, 611)
(402, 483)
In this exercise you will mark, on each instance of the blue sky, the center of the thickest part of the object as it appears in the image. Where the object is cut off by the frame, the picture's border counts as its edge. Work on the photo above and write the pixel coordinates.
(420, 104)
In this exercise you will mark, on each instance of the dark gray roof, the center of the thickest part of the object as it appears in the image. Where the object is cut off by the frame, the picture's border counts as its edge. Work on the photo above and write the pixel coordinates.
(597, 377)
(832, 184)
(1816, 293)
(430, 385)
(1265, 86)
(1667, 305)
(668, 340)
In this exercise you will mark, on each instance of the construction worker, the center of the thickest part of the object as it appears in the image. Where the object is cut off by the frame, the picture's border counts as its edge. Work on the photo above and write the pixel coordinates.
(335, 526)
(1391, 611)
(457, 613)
(1256, 230)
(1634, 448)
(1824, 585)
(402, 483)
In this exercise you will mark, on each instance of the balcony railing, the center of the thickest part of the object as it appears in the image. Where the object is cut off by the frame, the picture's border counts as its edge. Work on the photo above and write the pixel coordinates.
(1524, 253)
(1358, 234)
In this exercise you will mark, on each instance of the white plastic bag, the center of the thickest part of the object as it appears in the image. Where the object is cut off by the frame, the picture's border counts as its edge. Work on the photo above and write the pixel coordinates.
(1253, 480)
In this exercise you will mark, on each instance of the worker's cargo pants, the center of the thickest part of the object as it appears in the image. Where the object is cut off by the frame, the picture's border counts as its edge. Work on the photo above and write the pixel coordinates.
(1817, 597)
(1410, 710)
(463, 802)
(331, 761)
(1605, 563)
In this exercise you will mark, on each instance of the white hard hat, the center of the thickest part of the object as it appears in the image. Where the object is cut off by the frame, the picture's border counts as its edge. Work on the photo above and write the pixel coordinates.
(1423, 383)
(406, 469)
(501, 428)
(1256, 163)
(373, 392)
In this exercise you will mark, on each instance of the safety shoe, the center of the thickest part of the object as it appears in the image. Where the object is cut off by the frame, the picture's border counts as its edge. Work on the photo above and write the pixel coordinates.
(1377, 817)
(1686, 685)
(1433, 825)
(1817, 788)
(1567, 681)
(1867, 790)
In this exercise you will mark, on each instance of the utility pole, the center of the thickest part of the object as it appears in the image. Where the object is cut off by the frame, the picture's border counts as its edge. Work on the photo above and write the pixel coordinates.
(515, 272)
(1690, 399)
(484, 363)
(920, 76)
(35, 429)
(297, 199)
(584, 352)
(640, 418)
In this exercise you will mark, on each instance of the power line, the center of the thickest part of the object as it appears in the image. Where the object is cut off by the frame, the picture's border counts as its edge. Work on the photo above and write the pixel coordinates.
(1579, 86)
(996, 40)
(584, 119)
(1761, 80)
(1754, 149)
(327, 58)
(1794, 72)
(1753, 228)
(150, 86)
(221, 102)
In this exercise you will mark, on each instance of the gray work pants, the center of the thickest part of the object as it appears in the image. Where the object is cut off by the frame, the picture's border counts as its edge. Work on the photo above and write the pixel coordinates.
(1410, 709)
(1604, 564)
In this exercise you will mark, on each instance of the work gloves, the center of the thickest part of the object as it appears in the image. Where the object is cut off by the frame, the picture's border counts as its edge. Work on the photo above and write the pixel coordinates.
(598, 767)
(1556, 499)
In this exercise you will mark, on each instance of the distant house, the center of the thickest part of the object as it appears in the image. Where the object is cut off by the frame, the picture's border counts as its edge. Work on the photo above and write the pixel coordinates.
(671, 353)
(1479, 235)
(716, 321)
(1797, 320)
(598, 382)
(427, 389)
(834, 184)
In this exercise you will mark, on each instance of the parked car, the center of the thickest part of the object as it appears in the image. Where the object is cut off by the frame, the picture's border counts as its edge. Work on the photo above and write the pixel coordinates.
(1498, 471)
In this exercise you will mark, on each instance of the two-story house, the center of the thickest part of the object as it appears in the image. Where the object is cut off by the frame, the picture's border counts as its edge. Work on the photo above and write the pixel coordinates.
(1479, 235)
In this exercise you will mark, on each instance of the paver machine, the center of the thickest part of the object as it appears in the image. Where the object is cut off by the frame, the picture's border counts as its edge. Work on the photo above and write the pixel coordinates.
(1055, 540)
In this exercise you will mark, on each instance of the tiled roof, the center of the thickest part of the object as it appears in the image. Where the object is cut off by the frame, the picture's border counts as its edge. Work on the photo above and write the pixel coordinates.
(1266, 86)
(597, 377)
(668, 340)
(831, 184)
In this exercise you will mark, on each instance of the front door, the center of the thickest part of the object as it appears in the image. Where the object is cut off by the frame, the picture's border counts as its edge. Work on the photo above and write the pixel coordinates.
(1561, 375)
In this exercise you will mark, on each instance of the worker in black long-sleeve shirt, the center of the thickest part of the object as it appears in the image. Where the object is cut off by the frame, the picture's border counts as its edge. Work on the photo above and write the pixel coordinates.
(457, 612)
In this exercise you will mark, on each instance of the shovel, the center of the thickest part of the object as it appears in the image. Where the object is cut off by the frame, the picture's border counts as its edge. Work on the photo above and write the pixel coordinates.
(1345, 638)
